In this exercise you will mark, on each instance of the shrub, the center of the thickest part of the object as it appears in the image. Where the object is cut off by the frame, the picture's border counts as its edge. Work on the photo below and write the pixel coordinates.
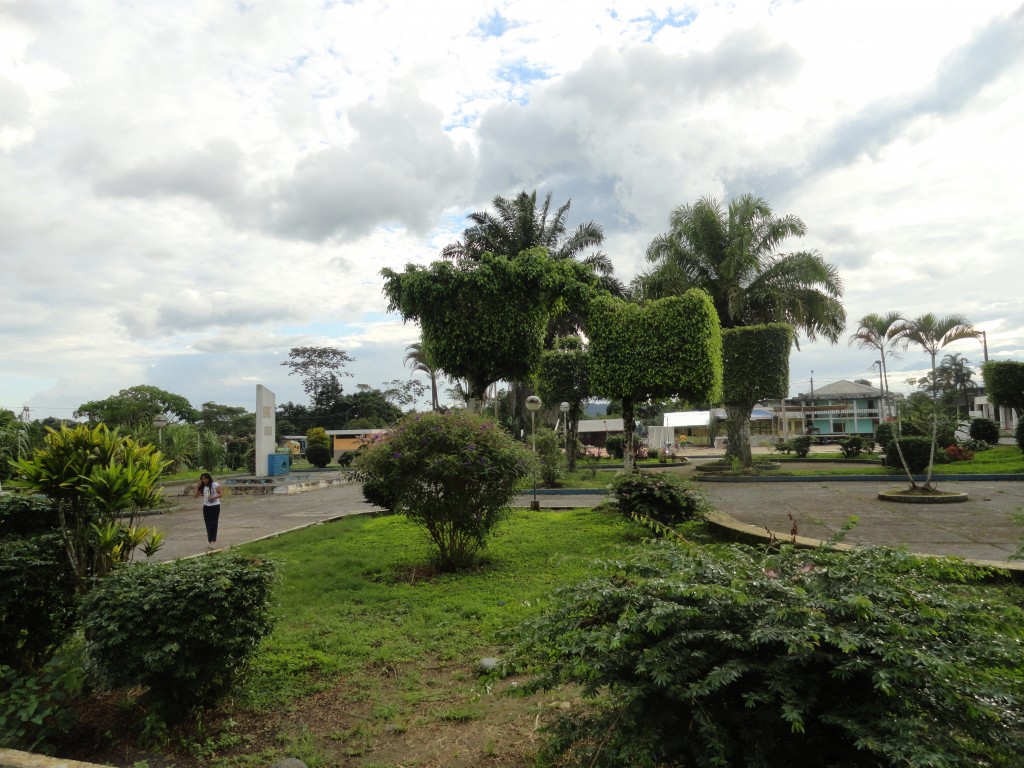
(802, 446)
(37, 600)
(345, 458)
(35, 708)
(549, 454)
(957, 453)
(783, 446)
(318, 455)
(916, 451)
(661, 496)
(852, 447)
(976, 445)
(985, 429)
(452, 473)
(811, 658)
(616, 446)
(1019, 434)
(317, 436)
(183, 629)
(27, 514)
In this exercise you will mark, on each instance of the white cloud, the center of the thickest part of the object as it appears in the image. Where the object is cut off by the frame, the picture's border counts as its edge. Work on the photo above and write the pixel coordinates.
(189, 190)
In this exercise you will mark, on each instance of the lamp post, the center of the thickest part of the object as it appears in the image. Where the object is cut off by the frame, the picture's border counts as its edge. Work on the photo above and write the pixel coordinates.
(533, 405)
(564, 408)
(160, 422)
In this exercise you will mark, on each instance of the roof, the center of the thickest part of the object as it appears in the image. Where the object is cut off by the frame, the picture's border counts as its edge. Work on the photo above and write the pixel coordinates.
(600, 425)
(687, 419)
(843, 388)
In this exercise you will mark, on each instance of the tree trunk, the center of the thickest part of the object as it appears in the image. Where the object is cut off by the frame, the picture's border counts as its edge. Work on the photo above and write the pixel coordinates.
(571, 429)
(477, 392)
(738, 429)
(628, 435)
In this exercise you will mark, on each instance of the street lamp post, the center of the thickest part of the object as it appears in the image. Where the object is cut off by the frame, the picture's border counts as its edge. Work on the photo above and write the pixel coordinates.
(564, 408)
(160, 422)
(533, 405)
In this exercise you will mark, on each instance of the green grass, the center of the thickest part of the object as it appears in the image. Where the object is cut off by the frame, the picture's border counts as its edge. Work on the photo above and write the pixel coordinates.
(359, 595)
(1001, 460)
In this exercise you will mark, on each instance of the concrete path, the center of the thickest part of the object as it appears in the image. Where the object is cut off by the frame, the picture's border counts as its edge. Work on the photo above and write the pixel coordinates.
(982, 528)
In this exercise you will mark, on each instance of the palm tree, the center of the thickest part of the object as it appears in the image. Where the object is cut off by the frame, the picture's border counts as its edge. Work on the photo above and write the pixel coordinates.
(733, 254)
(932, 334)
(518, 225)
(418, 358)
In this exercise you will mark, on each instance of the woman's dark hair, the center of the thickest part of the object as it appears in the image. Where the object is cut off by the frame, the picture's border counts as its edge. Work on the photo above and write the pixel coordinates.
(204, 477)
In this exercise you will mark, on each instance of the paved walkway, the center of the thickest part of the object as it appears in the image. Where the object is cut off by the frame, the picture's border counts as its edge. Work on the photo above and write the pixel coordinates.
(982, 528)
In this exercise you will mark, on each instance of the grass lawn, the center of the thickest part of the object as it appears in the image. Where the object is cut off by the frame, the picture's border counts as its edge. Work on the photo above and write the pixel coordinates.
(373, 659)
(1001, 460)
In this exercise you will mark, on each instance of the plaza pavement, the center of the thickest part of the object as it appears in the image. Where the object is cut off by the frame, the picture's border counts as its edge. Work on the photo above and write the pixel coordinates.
(983, 528)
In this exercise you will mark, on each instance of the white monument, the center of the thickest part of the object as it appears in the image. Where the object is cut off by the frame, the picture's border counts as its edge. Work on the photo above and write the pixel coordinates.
(266, 423)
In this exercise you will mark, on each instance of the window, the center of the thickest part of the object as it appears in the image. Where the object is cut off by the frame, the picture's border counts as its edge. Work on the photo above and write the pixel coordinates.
(838, 427)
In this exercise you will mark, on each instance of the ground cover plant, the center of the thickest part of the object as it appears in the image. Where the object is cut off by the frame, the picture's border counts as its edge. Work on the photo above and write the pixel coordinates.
(694, 656)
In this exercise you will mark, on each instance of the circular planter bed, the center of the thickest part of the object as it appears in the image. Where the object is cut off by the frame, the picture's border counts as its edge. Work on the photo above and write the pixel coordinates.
(923, 496)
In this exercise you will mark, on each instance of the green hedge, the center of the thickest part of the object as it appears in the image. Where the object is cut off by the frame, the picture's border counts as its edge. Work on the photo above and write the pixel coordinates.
(182, 629)
(916, 451)
(755, 363)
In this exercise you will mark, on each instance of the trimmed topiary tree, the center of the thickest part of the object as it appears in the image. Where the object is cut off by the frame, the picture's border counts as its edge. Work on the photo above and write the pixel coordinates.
(564, 376)
(1004, 384)
(662, 496)
(985, 429)
(671, 347)
(318, 455)
(917, 453)
(755, 367)
(453, 474)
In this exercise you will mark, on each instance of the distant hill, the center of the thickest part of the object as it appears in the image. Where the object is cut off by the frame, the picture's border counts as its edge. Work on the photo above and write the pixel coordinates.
(593, 410)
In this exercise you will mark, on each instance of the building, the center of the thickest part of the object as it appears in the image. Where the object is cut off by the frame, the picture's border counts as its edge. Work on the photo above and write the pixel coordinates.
(839, 410)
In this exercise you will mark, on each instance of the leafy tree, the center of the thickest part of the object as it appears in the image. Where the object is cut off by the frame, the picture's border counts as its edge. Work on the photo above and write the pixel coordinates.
(419, 359)
(733, 255)
(319, 368)
(873, 658)
(564, 376)
(1004, 384)
(933, 333)
(93, 475)
(666, 348)
(484, 320)
(453, 474)
(228, 420)
(402, 394)
(179, 446)
(135, 408)
(318, 436)
(15, 442)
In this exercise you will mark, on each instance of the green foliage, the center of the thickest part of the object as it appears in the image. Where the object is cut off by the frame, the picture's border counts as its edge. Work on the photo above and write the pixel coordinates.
(916, 453)
(985, 429)
(852, 447)
(451, 473)
(318, 455)
(94, 475)
(976, 446)
(318, 436)
(550, 457)
(871, 659)
(661, 496)
(615, 445)
(884, 434)
(1019, 434)
(666, 348)
(1004, 384)
(182, 629)
(212, 451)
(755, 363)
(37, 599)
(35, 707)
(26, 514)
(801, 446)
(319, 368)
(134, 409)
(484, 320)
(564, 376)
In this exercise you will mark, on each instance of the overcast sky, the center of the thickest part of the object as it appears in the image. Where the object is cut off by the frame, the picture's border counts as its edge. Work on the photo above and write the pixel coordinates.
(189, 189)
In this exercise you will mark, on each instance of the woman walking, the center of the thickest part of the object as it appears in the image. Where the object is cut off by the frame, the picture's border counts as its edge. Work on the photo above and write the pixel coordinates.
(209, 489)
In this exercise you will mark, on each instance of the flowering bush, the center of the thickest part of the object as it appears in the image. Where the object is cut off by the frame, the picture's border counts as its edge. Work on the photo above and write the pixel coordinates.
(452, 473)
(956, 453)
(664, 497)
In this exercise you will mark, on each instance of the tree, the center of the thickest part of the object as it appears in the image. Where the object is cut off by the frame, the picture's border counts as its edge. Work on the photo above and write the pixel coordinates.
(564, 376)
(671, 347)
(933, 333)
(94, 474)
(1004, 384)
(453, 474)
(419, 359)
(319, 368)
(229, 420)
(484, 320)
(876, 331)
(733, 255)
(134, 409)
(402, 394)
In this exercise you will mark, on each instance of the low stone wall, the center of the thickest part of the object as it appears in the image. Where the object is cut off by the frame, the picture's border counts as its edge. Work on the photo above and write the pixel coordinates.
(12, 758)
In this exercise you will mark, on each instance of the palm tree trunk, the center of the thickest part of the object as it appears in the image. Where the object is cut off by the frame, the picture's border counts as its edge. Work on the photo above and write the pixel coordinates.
(935, 427)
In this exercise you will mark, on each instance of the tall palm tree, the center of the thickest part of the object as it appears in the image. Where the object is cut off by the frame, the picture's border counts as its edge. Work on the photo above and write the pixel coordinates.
(418, 359)
(733, 254)
(932, 334)
(518, 224)
(875, 331)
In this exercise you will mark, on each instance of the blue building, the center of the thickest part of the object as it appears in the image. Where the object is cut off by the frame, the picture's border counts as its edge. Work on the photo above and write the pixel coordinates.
(843, 408)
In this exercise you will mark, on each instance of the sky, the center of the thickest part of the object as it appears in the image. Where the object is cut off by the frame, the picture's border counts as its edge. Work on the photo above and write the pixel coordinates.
(190, 189)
